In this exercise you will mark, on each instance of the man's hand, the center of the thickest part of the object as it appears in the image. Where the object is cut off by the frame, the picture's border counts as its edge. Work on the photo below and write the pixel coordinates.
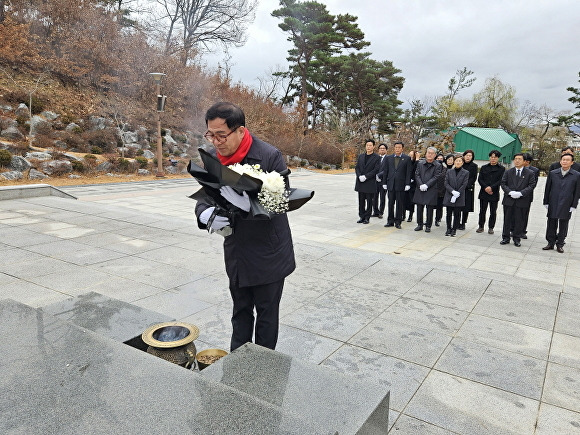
(455, 194)
(362, 178)
(547, 206)
(423, 187)
(241, 201)
(218, 222)
(378, 178)
(572, 209)
(488, 190)
(515, 195)
(385, 186)
(407, 187)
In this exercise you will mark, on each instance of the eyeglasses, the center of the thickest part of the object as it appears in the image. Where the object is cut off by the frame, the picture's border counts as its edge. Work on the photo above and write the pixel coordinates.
(219, 138)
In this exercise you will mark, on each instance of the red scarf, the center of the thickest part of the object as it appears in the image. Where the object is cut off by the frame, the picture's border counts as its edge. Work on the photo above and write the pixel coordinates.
(240, 153)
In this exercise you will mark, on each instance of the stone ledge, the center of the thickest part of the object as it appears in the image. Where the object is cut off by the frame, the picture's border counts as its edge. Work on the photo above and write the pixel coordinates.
(31, 191)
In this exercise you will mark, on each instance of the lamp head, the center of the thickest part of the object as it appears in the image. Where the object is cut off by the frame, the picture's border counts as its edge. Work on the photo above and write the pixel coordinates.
(157, 76)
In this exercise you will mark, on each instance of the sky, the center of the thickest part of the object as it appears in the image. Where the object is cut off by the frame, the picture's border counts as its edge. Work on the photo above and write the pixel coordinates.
(531, 45)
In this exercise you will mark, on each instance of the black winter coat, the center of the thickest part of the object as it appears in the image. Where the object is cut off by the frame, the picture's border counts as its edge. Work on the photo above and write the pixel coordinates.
(426, 173)
(490, 176)
(259, 251)
(370, 170)
(455, 180)
(561, 193)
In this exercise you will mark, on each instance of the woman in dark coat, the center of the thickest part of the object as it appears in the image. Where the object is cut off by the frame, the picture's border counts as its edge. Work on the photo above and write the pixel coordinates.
(489, 179)
(447, 163)
(409, 204)
(471, 167)
(456, 180)
(367, 168)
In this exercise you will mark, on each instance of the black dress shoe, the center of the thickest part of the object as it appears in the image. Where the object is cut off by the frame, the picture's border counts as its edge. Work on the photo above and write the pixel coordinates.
(461, 227)
(374, 215)
(365, 222)
(524, 237)
(453, 233)
(410, 219)
(448, 232)
(419, 228)
(560, 249)
(504, 242)
(360, 221)
(517, 243)
(380, 216)
(398, 226)
(389, 224)
(427, 229)
(548, 248)
(436, 223)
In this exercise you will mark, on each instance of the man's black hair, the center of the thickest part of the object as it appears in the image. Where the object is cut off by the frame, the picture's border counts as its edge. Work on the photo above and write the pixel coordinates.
(233, 114)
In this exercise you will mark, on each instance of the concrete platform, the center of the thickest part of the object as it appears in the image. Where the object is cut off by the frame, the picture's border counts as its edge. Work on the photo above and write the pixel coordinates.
(469, 336)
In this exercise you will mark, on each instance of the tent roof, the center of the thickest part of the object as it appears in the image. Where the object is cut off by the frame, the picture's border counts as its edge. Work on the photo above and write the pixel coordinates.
(495, 136)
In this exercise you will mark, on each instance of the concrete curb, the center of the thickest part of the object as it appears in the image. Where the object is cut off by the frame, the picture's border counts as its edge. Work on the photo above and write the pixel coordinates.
(30, 191)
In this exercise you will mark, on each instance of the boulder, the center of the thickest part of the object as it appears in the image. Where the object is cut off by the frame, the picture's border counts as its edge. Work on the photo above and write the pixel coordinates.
(72, 127)
(97, 123)
(56, 167)
(148, 154)
(22, 110)
(39, 125)
(19, 163)
(74, 176)
(51, 116)
(12, 175)
(33, 174)
(12, 132)
(6, 108)
(72, 157)
(143, 172)
(129, 137)
(104, 166)
(296, 160)
(169, 140)
(38, 155)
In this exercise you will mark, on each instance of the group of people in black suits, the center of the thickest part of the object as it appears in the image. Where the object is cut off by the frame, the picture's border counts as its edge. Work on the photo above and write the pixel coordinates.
(436, 182)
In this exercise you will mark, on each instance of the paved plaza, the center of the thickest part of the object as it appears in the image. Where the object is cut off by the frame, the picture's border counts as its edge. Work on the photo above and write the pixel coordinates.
(471, 337)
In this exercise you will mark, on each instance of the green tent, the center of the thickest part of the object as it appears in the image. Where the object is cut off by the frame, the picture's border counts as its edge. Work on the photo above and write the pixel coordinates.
(483, 140)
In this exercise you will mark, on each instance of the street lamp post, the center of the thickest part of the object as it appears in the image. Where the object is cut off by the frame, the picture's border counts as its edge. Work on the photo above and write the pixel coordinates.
(160, 106)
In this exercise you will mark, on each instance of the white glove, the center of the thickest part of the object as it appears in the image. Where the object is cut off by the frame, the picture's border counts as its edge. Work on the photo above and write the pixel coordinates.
(423, 187)
(455, 194)
(385, 186)
(407, 187)
(515, 195)
(218, 222)
(453, 199)
(378, 178)
(362, 178)
(547, 206)
(241, 201)
(572, 209)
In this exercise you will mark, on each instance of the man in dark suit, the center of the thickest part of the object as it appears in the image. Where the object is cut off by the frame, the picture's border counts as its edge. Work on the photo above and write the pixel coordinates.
(528, 159)
(556, 165)
(380, 195)
(367, 168)
(396, 170)
(258, 253)
(517, 184)
(426, 175)
(489, 179)
(561, 199)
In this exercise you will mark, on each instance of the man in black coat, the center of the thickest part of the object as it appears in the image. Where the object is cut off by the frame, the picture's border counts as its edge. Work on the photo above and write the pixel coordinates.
(489, 179)
(258, 253)
(396, 181)
(426, 176)
(561, 199)
(367, 168)
(517, 184)
(556, 165)
(381, 194)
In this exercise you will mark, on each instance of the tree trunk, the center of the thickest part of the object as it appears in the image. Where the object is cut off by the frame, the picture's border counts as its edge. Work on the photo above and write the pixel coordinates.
(2, 16)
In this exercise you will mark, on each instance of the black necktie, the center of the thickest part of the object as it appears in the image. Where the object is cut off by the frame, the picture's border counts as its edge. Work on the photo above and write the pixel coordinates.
(519, 172)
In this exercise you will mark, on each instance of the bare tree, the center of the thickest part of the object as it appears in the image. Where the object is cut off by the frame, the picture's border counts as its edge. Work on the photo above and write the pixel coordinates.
(2, 14)
(201, 24)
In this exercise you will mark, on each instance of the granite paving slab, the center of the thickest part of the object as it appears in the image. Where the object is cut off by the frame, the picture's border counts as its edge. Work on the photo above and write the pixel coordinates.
(562, 386)
(505, 370)
(406, 425)
(555, 420)
(410, 343)
(305, 345)
(565, 350)
(568, 319)
(468, 407)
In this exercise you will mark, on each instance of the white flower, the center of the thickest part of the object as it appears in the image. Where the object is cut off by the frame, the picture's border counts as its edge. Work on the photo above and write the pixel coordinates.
(273, 195)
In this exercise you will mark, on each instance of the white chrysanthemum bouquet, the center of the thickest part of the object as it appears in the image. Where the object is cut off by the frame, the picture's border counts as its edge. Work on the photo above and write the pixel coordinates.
(273, 195)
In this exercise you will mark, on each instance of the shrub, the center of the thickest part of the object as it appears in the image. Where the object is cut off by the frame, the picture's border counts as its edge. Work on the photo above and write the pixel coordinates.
(123, 164)
(43, 141)
(78, 166)
(319, 166)
(90, 162)
(22, 120)
(142, 162)
(5, 157)
(89, 157)
(96, 150)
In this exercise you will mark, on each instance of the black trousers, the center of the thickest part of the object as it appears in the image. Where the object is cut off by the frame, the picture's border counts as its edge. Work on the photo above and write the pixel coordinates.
(266, 300)
(513, 215)
(429, 221)
(439, 209)
(556, 231)
(365, 205)
(483, 203)
(396, 206)
(379, 200)
(453, 217)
